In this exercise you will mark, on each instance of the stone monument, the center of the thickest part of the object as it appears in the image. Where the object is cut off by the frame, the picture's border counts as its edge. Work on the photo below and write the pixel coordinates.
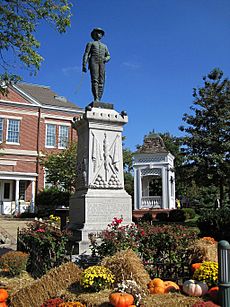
(100, 195)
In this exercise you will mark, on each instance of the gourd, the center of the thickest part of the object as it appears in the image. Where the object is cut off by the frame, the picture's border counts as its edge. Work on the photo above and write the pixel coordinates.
(3, 297)
(195, 266)
(121, 299)
(195, 288)
(156, 286)
(171, 286)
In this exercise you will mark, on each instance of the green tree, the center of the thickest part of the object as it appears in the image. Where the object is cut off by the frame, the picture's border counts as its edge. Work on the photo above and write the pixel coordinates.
(19, 20)
(128, 171)
(207, 140)
(61, 168)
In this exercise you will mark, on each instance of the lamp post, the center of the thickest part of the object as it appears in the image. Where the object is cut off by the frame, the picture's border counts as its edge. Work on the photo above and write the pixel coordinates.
(224, 273)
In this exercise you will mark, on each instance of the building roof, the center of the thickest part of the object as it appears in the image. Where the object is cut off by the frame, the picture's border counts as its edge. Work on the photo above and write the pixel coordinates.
(44, 95)
(153, 143)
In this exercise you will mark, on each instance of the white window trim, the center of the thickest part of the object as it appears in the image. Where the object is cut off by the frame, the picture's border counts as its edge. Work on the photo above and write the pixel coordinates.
(56, 122)
(9, 116)
(1, 141)
(59, 129)
(49, 146)
(7, 126)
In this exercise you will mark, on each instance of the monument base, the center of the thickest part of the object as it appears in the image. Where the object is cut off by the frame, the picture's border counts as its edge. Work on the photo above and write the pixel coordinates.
(92, 210)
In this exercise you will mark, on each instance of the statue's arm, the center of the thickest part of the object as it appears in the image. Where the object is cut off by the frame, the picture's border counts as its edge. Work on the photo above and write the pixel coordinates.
(107, 55)
(86, 57)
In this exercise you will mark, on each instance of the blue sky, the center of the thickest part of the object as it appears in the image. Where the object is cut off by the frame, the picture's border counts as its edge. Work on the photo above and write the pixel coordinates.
(160, 50)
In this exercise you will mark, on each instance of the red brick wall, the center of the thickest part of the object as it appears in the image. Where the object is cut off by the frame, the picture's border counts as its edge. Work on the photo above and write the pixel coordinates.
(13, 96)
(31, 118)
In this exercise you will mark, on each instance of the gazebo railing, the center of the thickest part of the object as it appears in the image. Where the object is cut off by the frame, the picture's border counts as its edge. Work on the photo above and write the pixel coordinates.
(151, 201)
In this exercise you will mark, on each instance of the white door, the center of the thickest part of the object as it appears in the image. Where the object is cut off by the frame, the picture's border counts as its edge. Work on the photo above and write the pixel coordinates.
(1, 196)
(6, 196)
(7, 186)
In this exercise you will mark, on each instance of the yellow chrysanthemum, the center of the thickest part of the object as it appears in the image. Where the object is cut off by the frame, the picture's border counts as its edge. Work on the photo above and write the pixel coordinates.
(208, 272)
(96, 278)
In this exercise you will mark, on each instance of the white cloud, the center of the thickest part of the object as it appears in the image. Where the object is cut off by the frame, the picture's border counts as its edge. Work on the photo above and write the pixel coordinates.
(68, 71)
(131, 65)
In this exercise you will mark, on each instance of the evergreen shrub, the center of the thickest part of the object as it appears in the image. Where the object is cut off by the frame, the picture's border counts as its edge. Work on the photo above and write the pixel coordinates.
(147, 217)
(189, 213)
(215, 223)
(162, 216)
(49, 199)
(177, 215)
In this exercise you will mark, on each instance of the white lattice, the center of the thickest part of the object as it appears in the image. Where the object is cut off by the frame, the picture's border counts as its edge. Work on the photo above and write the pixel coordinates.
(151, 171)
(152, 159)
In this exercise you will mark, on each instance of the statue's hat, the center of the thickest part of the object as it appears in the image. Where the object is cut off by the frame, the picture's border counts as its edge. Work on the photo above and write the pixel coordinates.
(97, 30)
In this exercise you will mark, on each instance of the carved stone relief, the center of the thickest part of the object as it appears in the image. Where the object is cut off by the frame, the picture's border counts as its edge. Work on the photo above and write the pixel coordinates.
(105, 160)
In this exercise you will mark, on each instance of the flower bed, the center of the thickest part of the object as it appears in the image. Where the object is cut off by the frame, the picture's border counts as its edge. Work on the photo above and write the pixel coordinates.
(122, 270)
(161, 248)
(45, 244)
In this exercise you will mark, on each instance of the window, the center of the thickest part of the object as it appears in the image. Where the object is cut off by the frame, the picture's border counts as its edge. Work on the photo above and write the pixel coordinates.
(22, 190)
(50, 135)
(6, 190)
(1, 130)
(13, 131)
(63, 136)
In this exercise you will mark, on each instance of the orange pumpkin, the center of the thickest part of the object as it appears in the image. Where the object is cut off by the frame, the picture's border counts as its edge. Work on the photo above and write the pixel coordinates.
(171, 286)
(121, 299)
(3, 295)
(3, 304)
(156, 282)
(157, 290)
(195, 266)
(156, 286)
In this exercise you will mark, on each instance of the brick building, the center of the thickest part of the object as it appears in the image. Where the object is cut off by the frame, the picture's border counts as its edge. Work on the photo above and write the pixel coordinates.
(33, 120)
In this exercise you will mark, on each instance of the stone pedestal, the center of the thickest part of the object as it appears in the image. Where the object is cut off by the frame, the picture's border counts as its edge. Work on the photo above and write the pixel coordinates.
(100, 194)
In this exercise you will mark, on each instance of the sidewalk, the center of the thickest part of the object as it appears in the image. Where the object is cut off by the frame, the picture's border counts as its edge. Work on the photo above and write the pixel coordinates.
(8, 232)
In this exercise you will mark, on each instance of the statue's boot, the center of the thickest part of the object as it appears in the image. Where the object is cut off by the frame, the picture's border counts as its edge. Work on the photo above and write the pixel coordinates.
(100, 90)
(95, 91)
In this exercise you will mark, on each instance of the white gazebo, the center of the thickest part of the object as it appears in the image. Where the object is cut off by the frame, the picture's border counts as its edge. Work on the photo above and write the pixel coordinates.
(154, 176)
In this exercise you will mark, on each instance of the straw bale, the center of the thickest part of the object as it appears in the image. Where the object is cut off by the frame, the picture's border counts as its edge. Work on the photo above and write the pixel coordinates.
(204, 250)
(153, 300)
(127, 265)
(91, 299)
(170, 299)
(47, 286)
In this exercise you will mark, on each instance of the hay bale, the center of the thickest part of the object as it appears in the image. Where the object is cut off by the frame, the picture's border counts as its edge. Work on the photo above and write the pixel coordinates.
(90, 299)
(204, 250)
(47, 286)
(127, 265)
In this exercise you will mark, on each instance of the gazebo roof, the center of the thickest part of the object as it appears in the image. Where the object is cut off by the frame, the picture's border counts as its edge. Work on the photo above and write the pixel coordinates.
(153, 143)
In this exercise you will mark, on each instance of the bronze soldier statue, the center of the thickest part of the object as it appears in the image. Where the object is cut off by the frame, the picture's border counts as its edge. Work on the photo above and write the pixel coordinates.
(96, 55)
